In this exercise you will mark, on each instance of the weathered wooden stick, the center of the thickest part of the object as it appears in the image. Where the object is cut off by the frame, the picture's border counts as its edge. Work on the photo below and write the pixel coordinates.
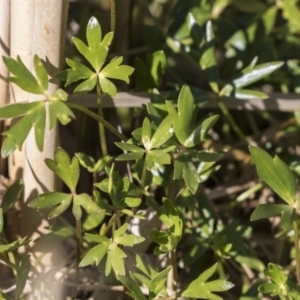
(275, 102)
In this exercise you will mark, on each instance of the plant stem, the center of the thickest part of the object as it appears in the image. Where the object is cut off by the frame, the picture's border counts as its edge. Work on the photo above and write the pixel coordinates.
(143, 178)
(118, 219)
(99, 119)
(78, 248)
(173, 275)
(296, 242)
(231, 121)
(103, 143)
(112, 15)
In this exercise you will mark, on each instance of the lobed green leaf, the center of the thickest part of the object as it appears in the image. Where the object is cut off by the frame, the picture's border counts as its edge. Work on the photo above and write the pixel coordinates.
(65, 168)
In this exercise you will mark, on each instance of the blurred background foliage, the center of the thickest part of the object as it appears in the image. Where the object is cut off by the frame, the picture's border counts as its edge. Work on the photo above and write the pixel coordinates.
(268, 29)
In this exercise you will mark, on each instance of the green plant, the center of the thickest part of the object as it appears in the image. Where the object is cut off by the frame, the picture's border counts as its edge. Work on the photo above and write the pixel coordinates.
(168, 164)
(170, 139)
(276, 174)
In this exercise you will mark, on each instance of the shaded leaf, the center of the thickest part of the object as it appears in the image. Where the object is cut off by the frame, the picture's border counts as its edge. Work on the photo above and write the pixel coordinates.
(22, 275)
(265, 211)
(135, 291)
(158, 283)
(11, 195)
(1, 220)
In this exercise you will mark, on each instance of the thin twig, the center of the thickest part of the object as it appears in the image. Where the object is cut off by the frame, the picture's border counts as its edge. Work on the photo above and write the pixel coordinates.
(102, 136)
(78, 250)
(296, 242)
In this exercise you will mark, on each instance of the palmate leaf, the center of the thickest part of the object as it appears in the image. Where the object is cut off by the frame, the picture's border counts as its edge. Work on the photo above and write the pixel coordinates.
(95, 53)
(34, 113)
(200, 288)
(115, 255)
(278, 285)
(186, 130)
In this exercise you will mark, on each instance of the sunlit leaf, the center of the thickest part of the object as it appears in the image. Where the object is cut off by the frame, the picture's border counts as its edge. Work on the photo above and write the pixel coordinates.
(200, 288)
(14, 245)
(48, 200)
(275, 173)
(65, 168)
(208, 61)
(23, 77)
(129, 240)
(41, 73)
(256, 74)
(96, 254)
(115, 259)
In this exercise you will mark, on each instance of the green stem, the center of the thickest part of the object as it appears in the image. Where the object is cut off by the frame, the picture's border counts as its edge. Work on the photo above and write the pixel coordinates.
(231, 121)
(112, 15)
(99, 119)
(103, 143)
(296, 241)
(78, 250)
(118, 219)
(173, 275)
(144, 173)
